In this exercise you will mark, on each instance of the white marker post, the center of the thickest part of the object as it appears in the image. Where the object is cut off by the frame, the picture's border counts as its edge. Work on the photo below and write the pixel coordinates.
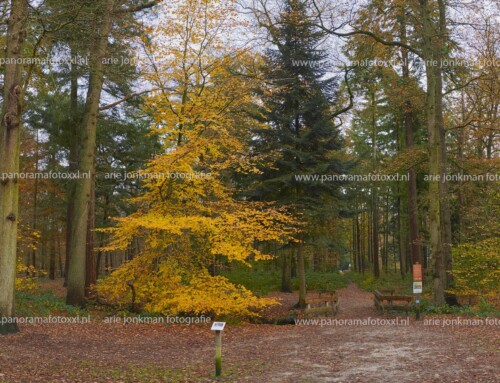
(218, 327)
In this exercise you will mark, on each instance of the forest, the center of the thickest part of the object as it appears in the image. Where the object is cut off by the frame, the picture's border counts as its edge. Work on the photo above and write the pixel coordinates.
(300, 170)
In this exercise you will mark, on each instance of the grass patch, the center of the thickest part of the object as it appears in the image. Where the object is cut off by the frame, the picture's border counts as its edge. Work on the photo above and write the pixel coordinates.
(404, 285)
(322, 281)
(262, 282)
(392, 280)
(482, 309)
(44, 304)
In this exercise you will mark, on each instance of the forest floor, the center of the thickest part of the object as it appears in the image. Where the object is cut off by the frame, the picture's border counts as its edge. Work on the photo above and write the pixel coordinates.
(418, 351)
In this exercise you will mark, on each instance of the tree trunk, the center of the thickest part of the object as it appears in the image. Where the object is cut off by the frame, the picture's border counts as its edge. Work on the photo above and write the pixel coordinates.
(402, 235)
(433, 53)
(59, 256)
(9, 153)
(445, 202)
(52, 256)
(73, 161)
(375, 242)
(363, 240)
(358, 244)
(35, 203)
(386, 233)
(106, 263)
(82, 200)
(409, 129)
(354, 259)
(286, 272)
(90, 261)
(301, 273)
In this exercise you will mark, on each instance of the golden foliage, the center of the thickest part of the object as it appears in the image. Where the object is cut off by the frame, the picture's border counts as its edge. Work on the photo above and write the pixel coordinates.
(191, 218)
(26, 277)
(476, 268)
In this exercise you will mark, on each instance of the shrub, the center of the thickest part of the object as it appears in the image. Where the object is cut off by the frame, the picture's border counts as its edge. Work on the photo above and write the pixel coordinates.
(476, 268)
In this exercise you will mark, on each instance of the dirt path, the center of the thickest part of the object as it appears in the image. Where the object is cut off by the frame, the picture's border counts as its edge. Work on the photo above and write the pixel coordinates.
(355, 303)
(331, 352)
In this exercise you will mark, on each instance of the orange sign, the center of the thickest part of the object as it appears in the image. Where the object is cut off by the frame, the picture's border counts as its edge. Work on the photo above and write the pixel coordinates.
(417, 272)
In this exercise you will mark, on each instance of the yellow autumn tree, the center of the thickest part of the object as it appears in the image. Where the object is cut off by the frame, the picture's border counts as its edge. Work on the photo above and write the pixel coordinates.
(26, 274)
(476, 263)
(191, 219)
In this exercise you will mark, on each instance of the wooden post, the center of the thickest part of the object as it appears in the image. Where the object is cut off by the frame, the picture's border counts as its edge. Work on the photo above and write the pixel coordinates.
(417, 287)
(218, 327)
(218, 353)
(417, 307)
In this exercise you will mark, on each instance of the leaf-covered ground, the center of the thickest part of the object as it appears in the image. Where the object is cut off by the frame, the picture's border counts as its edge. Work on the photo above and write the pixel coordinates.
(100, 352)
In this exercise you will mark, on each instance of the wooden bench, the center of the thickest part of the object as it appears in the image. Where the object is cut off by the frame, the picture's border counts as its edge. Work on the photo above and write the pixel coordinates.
(326, 303)
(388, 300)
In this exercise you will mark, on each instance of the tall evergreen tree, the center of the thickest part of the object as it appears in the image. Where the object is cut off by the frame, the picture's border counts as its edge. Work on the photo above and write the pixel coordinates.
(301, 137)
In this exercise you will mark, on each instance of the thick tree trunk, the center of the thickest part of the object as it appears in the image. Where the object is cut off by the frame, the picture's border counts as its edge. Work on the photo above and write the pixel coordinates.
(415, 253)
(82, 200)
(435, 190)
(432, 54)
(9, 153)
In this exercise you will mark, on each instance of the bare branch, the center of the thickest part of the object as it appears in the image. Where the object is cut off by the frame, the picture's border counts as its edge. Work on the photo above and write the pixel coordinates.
(139, 8)
(462, 86)
(335, 31)
(126, 98)
(351, 96)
